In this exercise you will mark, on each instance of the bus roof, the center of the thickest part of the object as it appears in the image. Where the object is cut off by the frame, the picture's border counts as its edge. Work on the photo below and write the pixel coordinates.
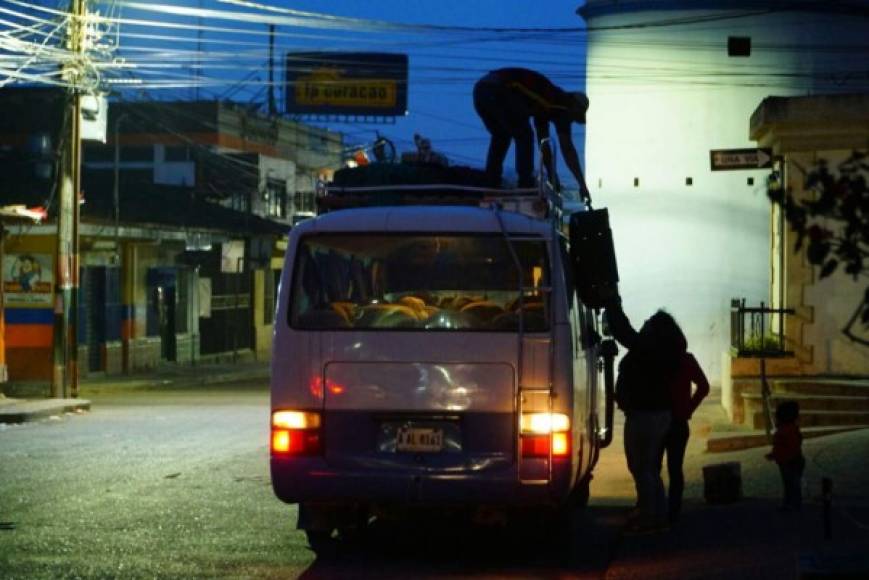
(421, 218)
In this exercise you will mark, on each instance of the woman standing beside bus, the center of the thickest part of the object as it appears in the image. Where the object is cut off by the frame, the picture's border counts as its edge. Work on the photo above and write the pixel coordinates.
(685, 402)
(644, 392)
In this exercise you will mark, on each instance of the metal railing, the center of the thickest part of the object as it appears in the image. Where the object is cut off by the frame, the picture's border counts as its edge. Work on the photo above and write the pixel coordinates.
(758, 330)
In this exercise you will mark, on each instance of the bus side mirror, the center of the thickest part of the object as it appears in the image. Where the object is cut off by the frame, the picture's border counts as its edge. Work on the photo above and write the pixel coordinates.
(593, 258)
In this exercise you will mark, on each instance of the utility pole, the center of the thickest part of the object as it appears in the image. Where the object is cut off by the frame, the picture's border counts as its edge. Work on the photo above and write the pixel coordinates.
(65, 359)
(273, 109)
(3, 371)
(197, 69)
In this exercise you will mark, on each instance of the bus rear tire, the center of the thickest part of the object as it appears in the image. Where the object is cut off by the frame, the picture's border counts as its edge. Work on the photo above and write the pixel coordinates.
(322, 542)
(581, 493)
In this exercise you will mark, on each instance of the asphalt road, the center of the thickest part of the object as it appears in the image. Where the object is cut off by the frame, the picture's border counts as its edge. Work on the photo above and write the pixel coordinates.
(174, 484)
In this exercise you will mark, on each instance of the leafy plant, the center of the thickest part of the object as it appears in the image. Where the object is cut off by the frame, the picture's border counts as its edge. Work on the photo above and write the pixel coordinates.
(769, 343)
(835, 223)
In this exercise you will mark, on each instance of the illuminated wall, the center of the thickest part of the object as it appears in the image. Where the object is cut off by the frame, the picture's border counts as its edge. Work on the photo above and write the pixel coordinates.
(662, 96)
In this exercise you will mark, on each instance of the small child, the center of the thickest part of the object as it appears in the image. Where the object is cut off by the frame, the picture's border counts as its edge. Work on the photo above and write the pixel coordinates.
(787, 452)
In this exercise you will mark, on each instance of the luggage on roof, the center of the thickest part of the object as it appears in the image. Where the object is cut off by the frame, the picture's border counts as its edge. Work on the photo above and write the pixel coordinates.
(375, 174)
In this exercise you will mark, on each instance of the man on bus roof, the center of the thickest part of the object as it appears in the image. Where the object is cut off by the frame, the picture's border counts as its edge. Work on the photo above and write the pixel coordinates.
(505, 99)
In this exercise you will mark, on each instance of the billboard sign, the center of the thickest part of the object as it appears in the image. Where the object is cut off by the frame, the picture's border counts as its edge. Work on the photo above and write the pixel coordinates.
(346, 83)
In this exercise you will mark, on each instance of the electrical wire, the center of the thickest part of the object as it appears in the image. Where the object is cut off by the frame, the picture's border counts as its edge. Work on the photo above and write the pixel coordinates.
(32, 57)
(131, 62)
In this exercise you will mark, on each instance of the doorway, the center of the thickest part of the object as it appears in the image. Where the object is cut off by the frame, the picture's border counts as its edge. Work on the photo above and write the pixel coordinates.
(162, 297)
(93, 282)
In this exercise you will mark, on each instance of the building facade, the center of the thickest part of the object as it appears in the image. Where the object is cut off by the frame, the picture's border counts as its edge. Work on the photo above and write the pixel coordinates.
(184, 218)
(824, 343)
(669, 82)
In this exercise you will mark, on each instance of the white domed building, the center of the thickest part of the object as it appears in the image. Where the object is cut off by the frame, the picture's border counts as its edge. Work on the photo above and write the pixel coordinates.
(669, 81)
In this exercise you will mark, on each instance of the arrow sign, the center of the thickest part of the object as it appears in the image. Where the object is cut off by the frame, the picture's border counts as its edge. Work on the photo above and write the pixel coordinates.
(727, 159)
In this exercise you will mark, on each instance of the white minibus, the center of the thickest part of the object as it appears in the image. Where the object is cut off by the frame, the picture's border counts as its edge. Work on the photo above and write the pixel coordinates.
(434, 356)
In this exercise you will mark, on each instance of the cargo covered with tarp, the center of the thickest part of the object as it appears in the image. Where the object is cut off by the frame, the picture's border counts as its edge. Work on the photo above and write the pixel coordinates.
(375, 174)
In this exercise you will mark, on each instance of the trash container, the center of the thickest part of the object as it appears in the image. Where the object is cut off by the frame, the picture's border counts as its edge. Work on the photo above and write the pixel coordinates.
(722, 482)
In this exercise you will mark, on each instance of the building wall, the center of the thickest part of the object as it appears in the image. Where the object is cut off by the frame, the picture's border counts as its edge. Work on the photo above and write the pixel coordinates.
(173, 172)
(188, 342)
(262, 330)
(803, 130)
(823, 306)
(661, 98)
(29, 316)
(281, 170)
(100, 309)
(143, 350)
(227, 323)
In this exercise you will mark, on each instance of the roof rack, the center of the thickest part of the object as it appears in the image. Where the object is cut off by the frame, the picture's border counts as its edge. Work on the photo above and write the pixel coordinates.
(539, 203)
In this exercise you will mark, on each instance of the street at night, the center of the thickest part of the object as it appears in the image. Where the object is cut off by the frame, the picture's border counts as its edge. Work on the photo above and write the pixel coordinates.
(173, 482)
(317, 289)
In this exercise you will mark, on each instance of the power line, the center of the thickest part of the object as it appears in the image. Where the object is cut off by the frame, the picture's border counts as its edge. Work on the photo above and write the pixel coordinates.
(210, 79)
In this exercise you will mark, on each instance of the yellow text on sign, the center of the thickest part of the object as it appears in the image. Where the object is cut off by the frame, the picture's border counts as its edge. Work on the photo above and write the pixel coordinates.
(319, 91)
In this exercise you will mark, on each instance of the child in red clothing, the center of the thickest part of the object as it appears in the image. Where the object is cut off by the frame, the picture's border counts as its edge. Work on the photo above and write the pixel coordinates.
(787, 452)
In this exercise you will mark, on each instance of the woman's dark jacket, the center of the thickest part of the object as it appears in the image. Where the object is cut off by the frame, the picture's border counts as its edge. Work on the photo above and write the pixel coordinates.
(645, 372)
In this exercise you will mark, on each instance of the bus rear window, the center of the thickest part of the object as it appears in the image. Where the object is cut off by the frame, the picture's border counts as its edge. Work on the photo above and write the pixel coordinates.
(418, 282)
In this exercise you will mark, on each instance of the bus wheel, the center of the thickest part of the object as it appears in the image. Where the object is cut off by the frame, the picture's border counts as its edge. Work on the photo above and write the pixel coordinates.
(581, 493)
(322, 542)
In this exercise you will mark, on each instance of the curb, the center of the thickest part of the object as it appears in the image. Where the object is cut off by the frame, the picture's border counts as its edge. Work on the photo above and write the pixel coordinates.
(207, 376)
(24, 409)
(33, 410)
(262, 374)
(724, 442)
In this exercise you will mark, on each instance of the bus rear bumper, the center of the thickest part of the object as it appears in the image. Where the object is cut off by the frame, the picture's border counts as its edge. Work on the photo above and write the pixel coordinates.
(312, 480)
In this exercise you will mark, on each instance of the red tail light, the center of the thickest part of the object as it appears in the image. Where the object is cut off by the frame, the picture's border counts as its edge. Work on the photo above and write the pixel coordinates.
(296, 433)
(535, 446)
(544, 434)
(538, 445)
(560, 444)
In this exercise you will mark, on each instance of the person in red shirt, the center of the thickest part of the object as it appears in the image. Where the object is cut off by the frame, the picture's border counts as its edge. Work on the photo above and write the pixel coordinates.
(506, 99)
(787, 452)
(684, 403)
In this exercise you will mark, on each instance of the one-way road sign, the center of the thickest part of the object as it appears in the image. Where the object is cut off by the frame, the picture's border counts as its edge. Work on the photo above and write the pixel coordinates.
(726, 159)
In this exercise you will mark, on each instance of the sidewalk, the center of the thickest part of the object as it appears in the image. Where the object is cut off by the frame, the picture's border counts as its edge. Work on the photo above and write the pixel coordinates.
(21, 410)
(750, 538)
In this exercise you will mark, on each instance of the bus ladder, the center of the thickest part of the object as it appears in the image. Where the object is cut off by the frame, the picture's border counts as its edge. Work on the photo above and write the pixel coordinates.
(530, 396)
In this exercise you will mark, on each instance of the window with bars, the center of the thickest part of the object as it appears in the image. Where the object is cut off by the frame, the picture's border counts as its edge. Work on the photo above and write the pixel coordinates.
(275, 198)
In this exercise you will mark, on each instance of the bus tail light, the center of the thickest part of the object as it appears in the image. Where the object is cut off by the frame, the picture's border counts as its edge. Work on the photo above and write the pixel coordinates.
(296, 433)
(543, 433)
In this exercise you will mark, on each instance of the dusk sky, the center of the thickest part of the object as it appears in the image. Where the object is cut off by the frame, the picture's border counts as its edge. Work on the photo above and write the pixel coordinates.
(444, 64)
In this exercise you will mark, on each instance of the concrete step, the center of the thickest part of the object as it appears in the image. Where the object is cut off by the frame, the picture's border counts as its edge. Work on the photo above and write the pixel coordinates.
(820, 386)
(754, 402)
(821, 418)
(722, 442)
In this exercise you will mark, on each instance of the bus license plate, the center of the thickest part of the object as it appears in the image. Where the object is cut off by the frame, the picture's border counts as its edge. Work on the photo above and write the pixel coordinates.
(419, 439)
